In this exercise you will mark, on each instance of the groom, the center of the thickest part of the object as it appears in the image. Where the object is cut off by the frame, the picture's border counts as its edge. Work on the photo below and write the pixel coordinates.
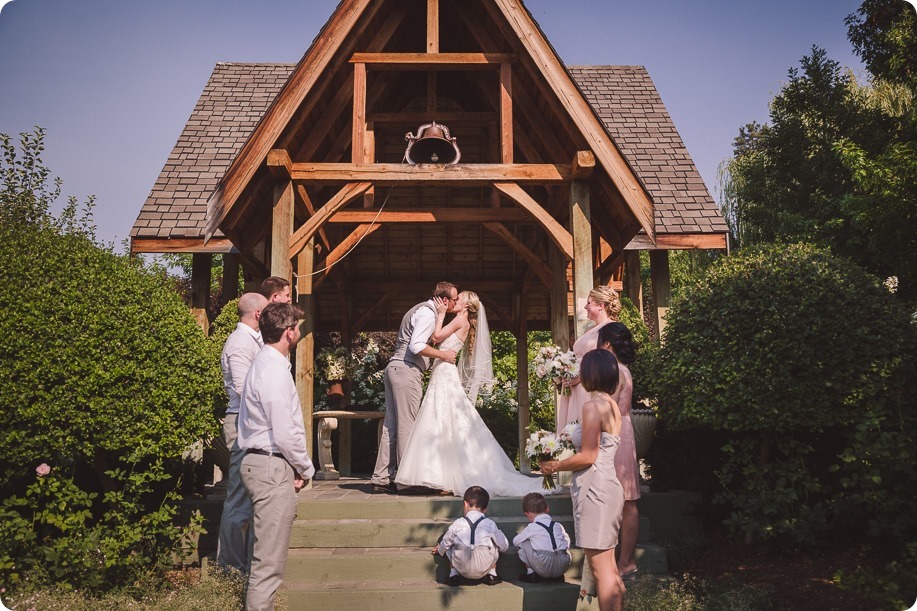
(404, 382)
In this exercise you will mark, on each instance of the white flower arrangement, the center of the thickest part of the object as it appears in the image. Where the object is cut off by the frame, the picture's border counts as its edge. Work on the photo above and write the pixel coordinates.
(548, 445)
(556, 365)
(334, 363)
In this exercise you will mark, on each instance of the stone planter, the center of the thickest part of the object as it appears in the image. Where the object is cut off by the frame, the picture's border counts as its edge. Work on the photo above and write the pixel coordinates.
(335, 387)
(644, 421)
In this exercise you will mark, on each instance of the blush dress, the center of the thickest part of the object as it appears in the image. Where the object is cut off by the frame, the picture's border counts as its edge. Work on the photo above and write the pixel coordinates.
(626, 467)
(570, 408)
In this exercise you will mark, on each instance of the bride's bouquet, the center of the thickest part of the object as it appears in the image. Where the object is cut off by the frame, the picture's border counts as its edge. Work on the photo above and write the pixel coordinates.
(548, 445)
(556, 365)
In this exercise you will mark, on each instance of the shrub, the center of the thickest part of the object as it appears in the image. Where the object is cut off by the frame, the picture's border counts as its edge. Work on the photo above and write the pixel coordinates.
(106, 378)
(808, 363)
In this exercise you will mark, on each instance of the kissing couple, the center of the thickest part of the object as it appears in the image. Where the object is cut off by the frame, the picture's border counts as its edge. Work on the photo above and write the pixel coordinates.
(438, 440)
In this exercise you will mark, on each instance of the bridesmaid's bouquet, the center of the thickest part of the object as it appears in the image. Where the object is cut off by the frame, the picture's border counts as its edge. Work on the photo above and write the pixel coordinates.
(554, 364)
(547, 445)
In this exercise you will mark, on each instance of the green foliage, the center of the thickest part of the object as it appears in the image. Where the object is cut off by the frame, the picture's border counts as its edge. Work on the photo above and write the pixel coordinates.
(884, 35)
(106, 378)
(808, 363)
(836, 166)
(890, 586)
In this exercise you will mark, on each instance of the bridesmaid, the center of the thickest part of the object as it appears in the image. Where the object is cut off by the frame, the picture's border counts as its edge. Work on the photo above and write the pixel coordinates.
(617, 338)
(598, 498)
(602, 307)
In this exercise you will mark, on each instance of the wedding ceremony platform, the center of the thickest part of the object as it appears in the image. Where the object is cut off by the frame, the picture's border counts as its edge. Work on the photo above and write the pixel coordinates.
(355, 548)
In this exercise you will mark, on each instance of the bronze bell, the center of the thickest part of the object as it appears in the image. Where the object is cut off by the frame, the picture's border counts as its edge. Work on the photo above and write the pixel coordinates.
(432, 144)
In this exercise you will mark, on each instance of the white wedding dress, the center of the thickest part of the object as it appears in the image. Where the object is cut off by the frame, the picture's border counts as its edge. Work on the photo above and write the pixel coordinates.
(451, 448)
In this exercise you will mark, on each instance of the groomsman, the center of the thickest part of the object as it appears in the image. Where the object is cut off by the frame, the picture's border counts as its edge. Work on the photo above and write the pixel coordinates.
(276, 464)
(277, 290)
(240, 349)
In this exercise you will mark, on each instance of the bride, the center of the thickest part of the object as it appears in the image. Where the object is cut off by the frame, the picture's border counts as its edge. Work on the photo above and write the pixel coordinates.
(451, 448)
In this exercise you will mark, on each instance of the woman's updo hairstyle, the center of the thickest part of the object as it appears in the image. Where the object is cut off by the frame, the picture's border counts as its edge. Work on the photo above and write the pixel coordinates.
(608, 297)
(619, 337)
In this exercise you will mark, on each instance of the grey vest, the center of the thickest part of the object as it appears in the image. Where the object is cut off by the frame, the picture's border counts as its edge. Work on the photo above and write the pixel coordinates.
(404, 338)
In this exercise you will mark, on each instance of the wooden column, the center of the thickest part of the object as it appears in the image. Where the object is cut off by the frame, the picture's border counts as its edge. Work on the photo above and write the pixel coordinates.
(282, 229)
(230, 277)
(305, 350)
(432, 26)
(662, 290)
(200, 289)
(506, 113)
(522, 383)
(633, 283)
(581, 230)
(560, 316)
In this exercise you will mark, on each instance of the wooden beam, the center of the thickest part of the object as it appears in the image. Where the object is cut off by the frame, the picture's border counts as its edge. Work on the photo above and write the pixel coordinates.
(281, 229)
(633, 281)
(662, 290)
(583, 165)
(450, 118)
(522, 385)
(679, 241)
(230, 277)
(309, 69)
(560, 236)
(506, 113)
(492, 305)
(191, 245)
(310, 208)
(341, 249)
(279, 163)
(349, 193)
(607, 267)
(581, 228)
(305, 349)
(433, 61)
(560, 313)
(432, 26)
(359, 112)
(535, 263)
(442, 215)
(479, 174)
(200, 289)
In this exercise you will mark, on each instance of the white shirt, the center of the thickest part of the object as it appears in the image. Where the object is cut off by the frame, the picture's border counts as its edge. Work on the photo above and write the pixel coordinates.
(540, 538)
(423, 320)
(486, 533)
(271, 416)
(239, 351)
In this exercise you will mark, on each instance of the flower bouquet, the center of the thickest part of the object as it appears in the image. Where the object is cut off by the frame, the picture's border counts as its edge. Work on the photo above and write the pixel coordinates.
(553, 363)
(547, 445)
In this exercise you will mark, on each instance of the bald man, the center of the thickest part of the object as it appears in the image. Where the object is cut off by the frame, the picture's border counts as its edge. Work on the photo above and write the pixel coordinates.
(242, 345)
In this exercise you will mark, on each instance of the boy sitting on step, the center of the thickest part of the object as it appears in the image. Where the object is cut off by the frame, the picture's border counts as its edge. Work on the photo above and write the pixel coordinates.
(544, 545)
(473, 543)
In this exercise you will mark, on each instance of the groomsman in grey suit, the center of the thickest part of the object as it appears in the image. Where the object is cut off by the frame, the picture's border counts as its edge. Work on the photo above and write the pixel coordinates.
(404, 383)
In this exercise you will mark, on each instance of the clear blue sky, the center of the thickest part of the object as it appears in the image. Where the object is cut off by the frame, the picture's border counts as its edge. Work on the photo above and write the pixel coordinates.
(113, 81)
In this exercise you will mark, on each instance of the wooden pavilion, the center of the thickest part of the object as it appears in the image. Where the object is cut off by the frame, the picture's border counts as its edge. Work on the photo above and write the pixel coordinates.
(299, 171)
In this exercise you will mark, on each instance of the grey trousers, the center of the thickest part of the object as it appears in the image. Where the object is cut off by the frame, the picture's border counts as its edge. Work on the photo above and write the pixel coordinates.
(472, 561)
(235, 545)
(546, 563)
(403, 393)
(269, 482)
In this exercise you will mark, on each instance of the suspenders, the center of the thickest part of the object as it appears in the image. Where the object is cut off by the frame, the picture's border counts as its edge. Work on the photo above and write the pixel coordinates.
(474, 526)
(550, 530)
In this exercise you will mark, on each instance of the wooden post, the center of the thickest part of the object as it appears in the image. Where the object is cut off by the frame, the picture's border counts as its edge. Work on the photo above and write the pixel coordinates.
(560, 316)
(506, 113)
(581, 230)
(522, 384)
(662, 290)
(200, 289)
(230, 277)
(305, 350)
(633, 282)
(432, 26)
(282, 229)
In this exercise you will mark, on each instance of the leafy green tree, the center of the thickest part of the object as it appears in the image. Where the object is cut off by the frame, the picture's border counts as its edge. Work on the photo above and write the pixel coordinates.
(106, 379)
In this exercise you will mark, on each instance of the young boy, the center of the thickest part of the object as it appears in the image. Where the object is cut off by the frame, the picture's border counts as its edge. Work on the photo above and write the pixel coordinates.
(473, 543)
(544, 545)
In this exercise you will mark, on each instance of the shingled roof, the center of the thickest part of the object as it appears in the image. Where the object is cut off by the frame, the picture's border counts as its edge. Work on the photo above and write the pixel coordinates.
(238, 94)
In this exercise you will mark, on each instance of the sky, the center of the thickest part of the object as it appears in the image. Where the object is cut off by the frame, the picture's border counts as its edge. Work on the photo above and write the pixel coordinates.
(114, 81)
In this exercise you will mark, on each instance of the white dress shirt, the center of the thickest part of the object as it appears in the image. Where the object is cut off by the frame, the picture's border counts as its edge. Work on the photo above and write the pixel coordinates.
(486, 533)
(270, 418)
(424, 323)
(239, 351)
(540, 538)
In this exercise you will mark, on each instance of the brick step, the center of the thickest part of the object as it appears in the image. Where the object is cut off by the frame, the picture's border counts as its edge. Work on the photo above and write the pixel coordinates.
(411, 532)
(426, 595)
(402, 506)
(330, 566)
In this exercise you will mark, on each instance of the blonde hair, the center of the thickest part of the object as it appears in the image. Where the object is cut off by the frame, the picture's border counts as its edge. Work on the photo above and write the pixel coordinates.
(608, 297)
(474, 304)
